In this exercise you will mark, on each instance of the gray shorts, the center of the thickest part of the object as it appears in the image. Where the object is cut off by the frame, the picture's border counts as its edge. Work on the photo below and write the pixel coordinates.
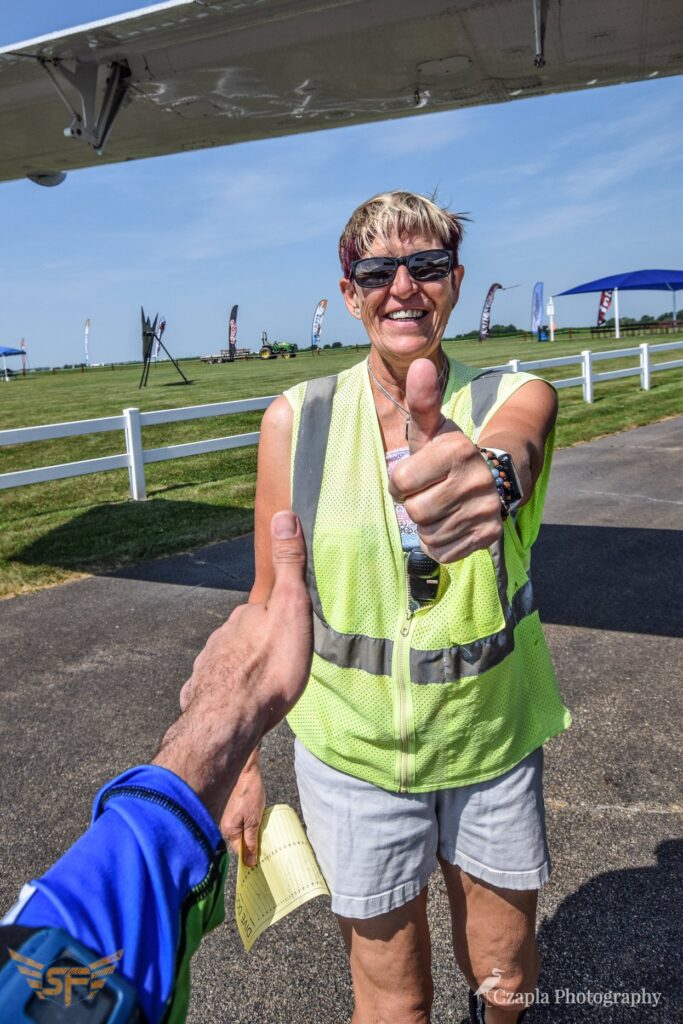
(377, 849)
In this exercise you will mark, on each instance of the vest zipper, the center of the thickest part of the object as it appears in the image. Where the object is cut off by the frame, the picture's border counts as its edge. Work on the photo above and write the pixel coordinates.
(403, 679)
(402, 671)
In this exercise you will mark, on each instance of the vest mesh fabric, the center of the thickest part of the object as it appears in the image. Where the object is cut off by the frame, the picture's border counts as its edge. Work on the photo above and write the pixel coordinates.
(396, 730)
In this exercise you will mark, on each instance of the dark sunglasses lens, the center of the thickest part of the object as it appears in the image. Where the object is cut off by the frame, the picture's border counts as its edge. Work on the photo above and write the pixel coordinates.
(379, 271)
(374, 272)
(429, 266)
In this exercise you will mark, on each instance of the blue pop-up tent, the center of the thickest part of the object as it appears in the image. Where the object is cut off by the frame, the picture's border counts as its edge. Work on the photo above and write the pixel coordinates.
(636, 280)
(4, 351)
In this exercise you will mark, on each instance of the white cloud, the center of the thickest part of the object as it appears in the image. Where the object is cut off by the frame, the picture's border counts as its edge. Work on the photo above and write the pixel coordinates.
(637, 119)
(615, 167)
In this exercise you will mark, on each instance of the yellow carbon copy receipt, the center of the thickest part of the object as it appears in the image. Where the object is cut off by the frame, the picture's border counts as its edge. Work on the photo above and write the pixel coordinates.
(286, 876)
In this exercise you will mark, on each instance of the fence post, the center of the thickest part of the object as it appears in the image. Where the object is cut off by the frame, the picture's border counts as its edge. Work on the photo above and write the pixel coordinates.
(587, 374)
(514, 365)
(136, 466)
(645, 366)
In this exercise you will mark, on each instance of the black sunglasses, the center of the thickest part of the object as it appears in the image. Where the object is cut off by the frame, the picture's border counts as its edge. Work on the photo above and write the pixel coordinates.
(379, 271)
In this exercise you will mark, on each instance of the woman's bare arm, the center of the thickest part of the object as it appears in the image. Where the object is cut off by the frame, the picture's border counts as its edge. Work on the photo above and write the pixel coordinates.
(273, 491)
(521, 427)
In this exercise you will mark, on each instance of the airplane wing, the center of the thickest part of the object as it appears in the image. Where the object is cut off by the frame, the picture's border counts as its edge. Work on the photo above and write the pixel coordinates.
(186, 74)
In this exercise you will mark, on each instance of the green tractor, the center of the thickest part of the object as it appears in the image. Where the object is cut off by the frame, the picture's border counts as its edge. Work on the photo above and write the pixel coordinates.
(273, 349)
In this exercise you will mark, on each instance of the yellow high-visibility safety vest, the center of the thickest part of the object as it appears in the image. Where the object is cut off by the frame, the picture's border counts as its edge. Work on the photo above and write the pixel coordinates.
(455, 692)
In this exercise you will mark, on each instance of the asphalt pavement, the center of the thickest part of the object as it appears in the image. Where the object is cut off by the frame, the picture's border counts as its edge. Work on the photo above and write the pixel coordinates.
(92, 669)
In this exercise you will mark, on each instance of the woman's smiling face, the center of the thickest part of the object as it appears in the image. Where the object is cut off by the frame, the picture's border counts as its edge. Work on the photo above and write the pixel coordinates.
(406, 319)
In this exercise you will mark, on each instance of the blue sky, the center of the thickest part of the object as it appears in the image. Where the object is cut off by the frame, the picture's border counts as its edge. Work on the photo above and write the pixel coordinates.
(561, 189)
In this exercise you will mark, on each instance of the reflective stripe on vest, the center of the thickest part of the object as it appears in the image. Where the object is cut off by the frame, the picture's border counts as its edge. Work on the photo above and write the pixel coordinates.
(309, 463)
(484, 391)
(374, 654)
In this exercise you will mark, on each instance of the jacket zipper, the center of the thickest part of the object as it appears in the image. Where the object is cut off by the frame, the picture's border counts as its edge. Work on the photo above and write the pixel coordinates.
(213, 855)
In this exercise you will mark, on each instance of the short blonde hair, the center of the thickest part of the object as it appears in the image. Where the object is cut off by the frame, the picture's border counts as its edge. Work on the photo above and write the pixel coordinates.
(399, 214)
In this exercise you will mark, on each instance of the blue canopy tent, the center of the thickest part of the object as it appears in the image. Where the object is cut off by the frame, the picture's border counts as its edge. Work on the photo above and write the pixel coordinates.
(8, 352)
(636, 280)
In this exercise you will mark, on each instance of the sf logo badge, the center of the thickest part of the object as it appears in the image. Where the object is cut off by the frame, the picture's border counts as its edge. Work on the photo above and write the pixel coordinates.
(65, 981)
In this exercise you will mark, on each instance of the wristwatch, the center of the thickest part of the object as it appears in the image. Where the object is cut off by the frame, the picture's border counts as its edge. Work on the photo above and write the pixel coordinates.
(505, 476)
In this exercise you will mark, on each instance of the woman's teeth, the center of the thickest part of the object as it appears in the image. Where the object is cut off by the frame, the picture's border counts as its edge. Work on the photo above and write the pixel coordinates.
(407, 314)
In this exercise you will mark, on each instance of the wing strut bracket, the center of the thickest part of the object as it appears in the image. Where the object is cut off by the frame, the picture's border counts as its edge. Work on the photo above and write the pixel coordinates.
(540, 15)
(89, 125)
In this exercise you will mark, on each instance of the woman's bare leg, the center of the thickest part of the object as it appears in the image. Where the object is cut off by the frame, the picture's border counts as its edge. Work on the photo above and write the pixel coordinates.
(390, 958)
(494, 930)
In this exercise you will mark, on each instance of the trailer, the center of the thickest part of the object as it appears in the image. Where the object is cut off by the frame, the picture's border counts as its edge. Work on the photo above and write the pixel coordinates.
(221, 357)
(224, 355)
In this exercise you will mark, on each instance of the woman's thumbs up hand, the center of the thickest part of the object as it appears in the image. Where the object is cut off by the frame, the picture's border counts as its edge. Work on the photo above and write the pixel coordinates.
(445, 485)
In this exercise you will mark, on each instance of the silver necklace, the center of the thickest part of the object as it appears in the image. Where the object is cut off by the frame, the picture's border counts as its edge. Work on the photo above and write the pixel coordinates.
(442, 381)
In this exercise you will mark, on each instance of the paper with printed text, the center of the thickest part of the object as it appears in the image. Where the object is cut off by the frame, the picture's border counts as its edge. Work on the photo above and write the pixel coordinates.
(286, 876)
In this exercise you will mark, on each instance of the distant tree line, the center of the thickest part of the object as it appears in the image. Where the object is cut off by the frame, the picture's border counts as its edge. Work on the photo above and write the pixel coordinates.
(645, 319)
(505, 329)
(496, 329)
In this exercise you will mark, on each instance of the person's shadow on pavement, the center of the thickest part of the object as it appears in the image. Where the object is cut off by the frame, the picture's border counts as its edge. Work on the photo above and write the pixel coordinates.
(620, 932)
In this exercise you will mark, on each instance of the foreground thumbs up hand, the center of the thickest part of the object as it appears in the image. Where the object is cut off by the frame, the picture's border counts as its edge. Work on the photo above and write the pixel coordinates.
(445, 484)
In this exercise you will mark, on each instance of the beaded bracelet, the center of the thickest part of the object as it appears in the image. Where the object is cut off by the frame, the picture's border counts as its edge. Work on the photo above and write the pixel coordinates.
(500, 464)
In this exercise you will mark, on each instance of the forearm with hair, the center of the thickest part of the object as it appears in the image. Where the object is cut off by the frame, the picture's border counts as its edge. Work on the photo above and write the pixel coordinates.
(209, 748)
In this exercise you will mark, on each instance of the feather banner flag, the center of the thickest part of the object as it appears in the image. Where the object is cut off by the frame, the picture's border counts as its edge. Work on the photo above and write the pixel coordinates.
(22, 346)
(605, 303)
(232, 334)
(318, 323)
(160, 330)
(86, 340)
(537, 307)
(486, 312)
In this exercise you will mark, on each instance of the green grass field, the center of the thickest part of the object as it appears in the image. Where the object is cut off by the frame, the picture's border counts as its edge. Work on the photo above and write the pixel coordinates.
(51, 532)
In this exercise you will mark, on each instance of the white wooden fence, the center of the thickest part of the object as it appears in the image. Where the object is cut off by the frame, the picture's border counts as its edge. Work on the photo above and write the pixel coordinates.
(132, 420)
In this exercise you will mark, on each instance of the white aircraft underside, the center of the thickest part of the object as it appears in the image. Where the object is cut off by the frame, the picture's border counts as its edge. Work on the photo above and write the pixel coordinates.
(187, 74)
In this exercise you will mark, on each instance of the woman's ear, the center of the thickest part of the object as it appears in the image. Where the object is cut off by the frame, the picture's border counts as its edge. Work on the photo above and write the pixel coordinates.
(348, 290)
(458, 274)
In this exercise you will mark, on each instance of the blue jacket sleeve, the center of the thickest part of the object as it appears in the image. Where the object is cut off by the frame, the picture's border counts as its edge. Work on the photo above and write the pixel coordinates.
(147, 877)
